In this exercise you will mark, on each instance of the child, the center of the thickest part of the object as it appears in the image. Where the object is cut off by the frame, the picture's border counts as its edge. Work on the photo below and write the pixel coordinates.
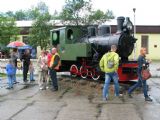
(31, 70)
(10, 74)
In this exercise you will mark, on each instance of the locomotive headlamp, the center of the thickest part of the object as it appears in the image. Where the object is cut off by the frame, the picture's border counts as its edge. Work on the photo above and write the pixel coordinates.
(54, 36)
(129, 26)
(71, 37)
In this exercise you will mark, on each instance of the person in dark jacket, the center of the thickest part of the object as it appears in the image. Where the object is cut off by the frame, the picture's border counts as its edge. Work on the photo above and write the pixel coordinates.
(14, 57)
(26, 62)
(54, 66)
(142, 63)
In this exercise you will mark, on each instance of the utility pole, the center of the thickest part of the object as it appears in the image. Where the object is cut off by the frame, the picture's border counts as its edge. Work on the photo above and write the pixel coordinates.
(135, 45)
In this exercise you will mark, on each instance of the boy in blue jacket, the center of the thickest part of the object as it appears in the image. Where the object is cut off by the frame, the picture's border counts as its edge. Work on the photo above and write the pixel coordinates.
(10, 74)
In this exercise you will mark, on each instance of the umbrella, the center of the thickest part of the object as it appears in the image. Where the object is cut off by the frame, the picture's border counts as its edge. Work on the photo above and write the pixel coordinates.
(16, 44)
(25, 47)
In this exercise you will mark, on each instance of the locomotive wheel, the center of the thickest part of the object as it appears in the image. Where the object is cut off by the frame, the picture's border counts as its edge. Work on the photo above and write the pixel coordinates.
(94, 74)
(74, 70)
(84, 72)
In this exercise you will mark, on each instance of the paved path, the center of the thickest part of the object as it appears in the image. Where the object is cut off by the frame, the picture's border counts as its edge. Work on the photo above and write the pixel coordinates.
(75, 101)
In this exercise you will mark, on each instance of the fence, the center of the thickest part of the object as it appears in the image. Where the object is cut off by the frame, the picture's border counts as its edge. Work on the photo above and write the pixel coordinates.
(3, 63)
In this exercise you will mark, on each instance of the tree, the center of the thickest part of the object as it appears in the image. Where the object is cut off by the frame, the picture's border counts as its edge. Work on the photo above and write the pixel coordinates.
(9, 14)
(20, 15)
(73, 11)
(37, 11)
(99, 17)
(40, 31)
(55, 15)
(8, 30)
(79, 12)
(30, 14)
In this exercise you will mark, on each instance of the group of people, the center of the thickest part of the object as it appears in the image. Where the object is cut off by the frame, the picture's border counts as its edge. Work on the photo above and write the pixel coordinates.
(12, 67)
(48, 63)
(109, 64)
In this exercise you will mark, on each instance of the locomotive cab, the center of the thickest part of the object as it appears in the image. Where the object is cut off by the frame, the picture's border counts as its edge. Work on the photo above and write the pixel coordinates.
(67, 40)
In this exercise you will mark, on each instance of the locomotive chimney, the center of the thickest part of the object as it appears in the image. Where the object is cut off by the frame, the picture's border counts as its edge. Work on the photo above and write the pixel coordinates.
(120, 21)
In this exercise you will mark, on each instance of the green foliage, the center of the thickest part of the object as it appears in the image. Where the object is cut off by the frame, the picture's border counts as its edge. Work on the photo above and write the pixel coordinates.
(8, 30)
(20, 15)
(99, 16)
(30, 14)
(77, 12)
(40, 31)
(73, 11)
(37, 11)
(9, 14)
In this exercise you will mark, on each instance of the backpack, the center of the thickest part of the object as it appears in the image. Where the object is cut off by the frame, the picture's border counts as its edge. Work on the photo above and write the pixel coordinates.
(110, 61)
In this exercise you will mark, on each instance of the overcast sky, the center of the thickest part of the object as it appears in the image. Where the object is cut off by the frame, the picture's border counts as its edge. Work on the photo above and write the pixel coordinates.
(147, 11)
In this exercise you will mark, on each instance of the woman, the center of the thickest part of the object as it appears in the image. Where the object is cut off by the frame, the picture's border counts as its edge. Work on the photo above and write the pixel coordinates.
(142, 63)
(14, 57)
(43, 70)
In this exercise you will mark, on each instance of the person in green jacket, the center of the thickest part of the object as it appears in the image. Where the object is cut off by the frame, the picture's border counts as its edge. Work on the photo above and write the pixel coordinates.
(109, 64)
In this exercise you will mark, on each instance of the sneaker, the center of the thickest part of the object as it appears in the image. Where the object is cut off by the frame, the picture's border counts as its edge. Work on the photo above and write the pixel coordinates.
(25, 81)
(105, 99)
(41, 88)
(148, 99)
(44, 88)
(9, 88)
(121, 95)
(47, 87)
(15, 82)
(130, 96)
(54, 90)
(32, 80)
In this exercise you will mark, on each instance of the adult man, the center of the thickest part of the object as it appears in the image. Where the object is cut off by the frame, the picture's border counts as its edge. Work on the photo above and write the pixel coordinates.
(54, 66)
(109, 64)
(26, 61)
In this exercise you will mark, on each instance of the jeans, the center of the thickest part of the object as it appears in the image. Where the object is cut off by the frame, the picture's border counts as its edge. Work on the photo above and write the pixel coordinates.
(31, 76)
(53, 75)
(25, 71)
(139, 84)
(14, 75)
(108, 77)
(10, 80)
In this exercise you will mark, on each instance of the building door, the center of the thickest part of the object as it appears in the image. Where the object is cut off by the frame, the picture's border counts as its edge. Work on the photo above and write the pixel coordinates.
(145, 42)
(25, 39)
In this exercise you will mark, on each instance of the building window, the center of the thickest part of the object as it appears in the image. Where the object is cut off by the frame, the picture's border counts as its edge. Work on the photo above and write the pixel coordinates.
(25, 39)
(69, 34)
(144, 42)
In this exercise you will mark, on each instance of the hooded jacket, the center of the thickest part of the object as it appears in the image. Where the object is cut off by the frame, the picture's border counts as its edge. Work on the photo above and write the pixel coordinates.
(103, 62)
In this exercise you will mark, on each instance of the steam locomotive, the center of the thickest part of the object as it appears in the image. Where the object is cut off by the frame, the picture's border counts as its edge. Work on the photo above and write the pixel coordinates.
(81, 48)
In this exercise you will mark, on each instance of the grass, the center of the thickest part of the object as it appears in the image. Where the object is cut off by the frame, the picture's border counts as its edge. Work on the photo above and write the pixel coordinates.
(17, 75)
(2, 75)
